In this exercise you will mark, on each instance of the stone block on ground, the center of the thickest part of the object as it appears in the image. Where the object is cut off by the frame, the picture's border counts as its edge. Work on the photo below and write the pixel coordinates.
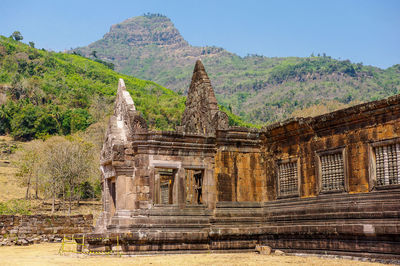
(279, 252)
(263, 250)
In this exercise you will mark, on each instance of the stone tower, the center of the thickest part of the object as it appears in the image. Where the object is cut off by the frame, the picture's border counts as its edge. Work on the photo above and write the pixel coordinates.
(201, 115)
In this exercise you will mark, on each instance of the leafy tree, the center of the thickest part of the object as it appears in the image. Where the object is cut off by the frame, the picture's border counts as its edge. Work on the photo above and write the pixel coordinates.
(75, 120)
(86, 190)
(94, 53)
(23, 122)
(6, 114)
(46, 124)
(16, 35)
(32, 44)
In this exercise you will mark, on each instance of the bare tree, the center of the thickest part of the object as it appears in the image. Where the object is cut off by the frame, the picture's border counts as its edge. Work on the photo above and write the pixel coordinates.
(58, 166)
(28, 162)
(69, 163)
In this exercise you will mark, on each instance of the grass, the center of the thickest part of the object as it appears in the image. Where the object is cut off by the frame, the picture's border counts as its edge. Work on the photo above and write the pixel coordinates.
(47, 254)
(9, 187)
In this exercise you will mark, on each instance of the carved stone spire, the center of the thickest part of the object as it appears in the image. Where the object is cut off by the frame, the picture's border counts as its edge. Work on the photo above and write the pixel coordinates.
(201, 104)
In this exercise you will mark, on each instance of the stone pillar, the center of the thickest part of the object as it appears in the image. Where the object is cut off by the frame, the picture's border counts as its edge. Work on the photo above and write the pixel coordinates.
(122, 214)
(141, 183)
(180, 188)
(107, 208)
(209, 189)
(156, 188)
(120, 192)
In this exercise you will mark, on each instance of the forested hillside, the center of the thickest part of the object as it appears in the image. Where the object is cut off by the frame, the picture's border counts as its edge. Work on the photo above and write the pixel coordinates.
(46, 93)
(257, 88)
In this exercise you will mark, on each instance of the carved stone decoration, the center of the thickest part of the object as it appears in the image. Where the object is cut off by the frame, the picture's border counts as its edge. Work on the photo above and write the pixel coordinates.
(137, 123)
(201, 104)
(221, 121)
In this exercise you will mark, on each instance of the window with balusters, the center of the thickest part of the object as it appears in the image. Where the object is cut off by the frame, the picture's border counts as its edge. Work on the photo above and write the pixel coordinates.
(332, 170)
(387, 159)
(288, 178)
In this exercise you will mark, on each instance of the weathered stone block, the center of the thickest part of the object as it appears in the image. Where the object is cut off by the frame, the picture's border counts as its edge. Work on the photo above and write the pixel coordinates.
(263, 250)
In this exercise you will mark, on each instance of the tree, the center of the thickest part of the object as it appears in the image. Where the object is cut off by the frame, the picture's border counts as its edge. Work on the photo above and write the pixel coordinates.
(69, 163)
(17, 36)
(75, 120)
(28, 161)
(23, 122)
(32, 44)
(94, 53)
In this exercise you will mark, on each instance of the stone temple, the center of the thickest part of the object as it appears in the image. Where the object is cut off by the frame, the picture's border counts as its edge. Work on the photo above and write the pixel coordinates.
(328, 184)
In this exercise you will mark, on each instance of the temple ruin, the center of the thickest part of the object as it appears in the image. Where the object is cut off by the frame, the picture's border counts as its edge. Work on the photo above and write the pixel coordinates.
(327, 184)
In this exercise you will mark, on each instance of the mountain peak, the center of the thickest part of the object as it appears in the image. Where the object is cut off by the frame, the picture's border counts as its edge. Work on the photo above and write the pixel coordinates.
(144, 30)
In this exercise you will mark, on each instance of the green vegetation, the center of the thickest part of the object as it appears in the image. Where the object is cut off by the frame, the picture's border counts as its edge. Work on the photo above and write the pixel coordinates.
(45, 93)
(15, 206)
(16, 35)
(256, 88)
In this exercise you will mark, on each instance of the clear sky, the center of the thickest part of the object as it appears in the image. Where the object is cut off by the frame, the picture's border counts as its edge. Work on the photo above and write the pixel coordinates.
(366, 31)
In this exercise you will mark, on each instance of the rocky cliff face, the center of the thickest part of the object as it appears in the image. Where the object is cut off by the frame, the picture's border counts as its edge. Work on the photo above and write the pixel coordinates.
(257, 88)
(144, 31)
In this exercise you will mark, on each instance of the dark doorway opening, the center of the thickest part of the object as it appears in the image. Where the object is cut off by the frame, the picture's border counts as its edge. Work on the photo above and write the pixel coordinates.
(194, 186)
(164, 186)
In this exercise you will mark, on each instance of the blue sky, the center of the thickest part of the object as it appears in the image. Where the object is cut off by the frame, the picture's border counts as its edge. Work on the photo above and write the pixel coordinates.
(366, 31)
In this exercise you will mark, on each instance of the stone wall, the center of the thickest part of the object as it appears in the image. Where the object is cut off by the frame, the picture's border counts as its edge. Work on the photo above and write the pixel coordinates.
(240, 176)
(35, 225)
(353, 129)
(239, 170)
(357, 224)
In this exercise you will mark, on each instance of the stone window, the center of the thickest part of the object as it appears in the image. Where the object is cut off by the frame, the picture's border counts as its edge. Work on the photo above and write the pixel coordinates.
(288, 178)
(194, 183)
(332, 170)
(164, 186)
(386, 163)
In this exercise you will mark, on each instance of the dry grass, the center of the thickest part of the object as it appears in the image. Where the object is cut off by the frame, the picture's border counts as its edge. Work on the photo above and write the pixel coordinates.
(47, 254)
(6, 138)
(9, 186)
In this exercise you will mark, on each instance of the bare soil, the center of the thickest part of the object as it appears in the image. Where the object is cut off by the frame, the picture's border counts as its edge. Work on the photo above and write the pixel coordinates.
(47, 254)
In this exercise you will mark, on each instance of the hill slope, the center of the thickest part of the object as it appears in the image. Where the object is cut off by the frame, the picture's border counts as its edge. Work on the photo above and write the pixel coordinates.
(55, 93)
(257, 88)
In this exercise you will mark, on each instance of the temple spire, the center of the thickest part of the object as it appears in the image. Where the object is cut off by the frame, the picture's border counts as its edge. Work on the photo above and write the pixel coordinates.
(201, 104)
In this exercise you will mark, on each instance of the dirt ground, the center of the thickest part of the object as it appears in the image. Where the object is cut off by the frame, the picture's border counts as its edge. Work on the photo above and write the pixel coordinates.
(47, 254)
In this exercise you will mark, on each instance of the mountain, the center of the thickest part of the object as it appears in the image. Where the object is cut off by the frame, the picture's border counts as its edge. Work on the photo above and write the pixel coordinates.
(258, 88)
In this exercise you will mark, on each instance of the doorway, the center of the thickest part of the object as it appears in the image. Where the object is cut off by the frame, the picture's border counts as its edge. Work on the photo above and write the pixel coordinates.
(194, 186)
(164, 186)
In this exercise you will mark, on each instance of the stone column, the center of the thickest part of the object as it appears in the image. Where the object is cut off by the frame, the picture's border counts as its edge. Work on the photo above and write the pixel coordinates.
(141, 183)
(180, 188)
(156, 188)
(120, 187)
(122, 214)
(209, 189)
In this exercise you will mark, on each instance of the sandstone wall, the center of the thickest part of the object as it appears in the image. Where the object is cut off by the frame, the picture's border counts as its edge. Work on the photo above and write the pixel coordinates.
(28, 225)
(353, 129)
(239, 176)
